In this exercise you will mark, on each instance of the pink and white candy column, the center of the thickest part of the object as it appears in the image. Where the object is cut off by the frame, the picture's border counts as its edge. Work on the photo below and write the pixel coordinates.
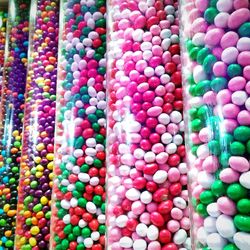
(147, 182)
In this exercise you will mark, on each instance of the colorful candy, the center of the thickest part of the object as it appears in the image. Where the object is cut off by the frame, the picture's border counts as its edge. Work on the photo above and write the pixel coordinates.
(78, 213)
(147, 182)
(217, 70)
(3, 19)
(36, 173)
(11, 118)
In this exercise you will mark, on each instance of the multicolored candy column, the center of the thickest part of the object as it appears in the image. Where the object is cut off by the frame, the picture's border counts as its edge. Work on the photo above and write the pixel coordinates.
(78, 210)
(11, 118)
(216, 68)
(36, 169)
(3, 19)
(147, 181)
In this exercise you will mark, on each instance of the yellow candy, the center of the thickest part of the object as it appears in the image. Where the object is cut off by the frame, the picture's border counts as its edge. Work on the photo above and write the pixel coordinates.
(50, 156)
(50, 165)
(40, 146)
(44, 200)
(11, 213)
(6, 208)
(49, 68)
(15, 133)
(34, 230)
(37, 159)
(23, 240)
(39, 168)
(32, 241)
(27, 173)
(8, 233)
(51, 176)
(39, 174)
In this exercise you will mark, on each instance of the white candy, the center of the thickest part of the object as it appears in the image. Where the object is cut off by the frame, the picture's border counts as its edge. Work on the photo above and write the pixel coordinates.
(73, 202)
(247, 104)
(180, 202)
(83, 177)
(126, 242)
(203, 151)
(153, 232)
(166, 138)
(146, 197)
(183, 168)
(82, 223)
(91, 207)
(94, 181)
(95, 236)
(171, 148)
(88, 242)
(139, 244)
(176, 116)
(178, 140)
(160, 176)
(121, 221)
(225, 226)
(133, 194)
(213, 210)
(215, 241)
(210, 224)
(164, 119)
(199, 74)
(65, 204)
(139, 153)
(101, 218)
(141, 229)
(180, 237)
(245, 180)
(202, 235)
(66, 219)
(242, 240)
(205, 179)
(239, 97)
(198, 39)
(149, 157)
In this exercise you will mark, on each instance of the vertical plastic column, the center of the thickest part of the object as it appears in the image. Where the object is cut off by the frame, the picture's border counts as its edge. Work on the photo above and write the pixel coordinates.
(3, 19)
(147, 182)
(78, 210)
(36, 168)
(12, 108)
(216, 68)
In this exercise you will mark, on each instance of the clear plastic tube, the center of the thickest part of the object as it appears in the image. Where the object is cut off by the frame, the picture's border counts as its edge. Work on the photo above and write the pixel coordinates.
(78, 209)
(36, 167)
(216, 68)
(147, 182)
(11, 115)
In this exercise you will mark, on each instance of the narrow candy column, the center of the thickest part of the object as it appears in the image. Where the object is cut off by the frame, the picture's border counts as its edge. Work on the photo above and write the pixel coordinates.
(147, 182)
(3, 19)
(36, 168)
(11, 116)
(216, 56)
(78, 210)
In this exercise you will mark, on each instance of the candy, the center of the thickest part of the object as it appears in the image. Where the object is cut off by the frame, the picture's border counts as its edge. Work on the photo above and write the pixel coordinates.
(215, 63)
(12, 108)
(78, 204)
(39, 119)
(147, 198)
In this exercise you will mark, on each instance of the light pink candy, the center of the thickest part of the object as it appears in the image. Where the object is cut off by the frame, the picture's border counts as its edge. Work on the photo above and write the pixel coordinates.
(199, 25)
(237, 83)
(238, 163)
(229, 125)
(226, 206)
(213, 36)
(238, 4)
(220, 69)
(210, 98)
(223, 97)
(210, 164)
(244, 118)
(238, 17)
(201, 5)
(246, 72)
(244, 58)
(229, 39)
(228, 175)
(154, 245)
(230, 110)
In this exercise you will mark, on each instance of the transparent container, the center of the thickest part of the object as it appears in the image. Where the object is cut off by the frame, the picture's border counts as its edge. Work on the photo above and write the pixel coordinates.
(11, 115)
(78, 204)
(216, 70)
(36, 167)
(147, 181)
(3, 19)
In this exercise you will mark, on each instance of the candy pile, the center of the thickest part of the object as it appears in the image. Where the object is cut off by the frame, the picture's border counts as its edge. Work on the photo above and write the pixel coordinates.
(147, 196)
(78, 212)
(36, 173)
(3, 19)
(12, 104)
(218, 46)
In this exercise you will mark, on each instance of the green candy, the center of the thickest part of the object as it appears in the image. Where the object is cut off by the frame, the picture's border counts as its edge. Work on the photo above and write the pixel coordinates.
(80, 247)
(204, 112)
(79, 142)
(243, 206)
(242, 222)
(244, 30)
(248, 147)
(202, 210)
(202, 87)
(230, 247)
(189, 45)
(218, 84)
(67, 229)
(97, 200)
(102, 229)
(196, 125)
(9, 243)
(82, 202)
(192, 113)
(236, 192)
(218, 188)
(37, 208)
(86, 232)
(242, 133)
(208, 63)
(224, 158)
(194, 149)
(214, 147)
(234, 70)
(237, 148)
(210, 14)
(202, 54)
(77, 231)
(65, 244)
(206, 197)
(194, 52)
(80, 186)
